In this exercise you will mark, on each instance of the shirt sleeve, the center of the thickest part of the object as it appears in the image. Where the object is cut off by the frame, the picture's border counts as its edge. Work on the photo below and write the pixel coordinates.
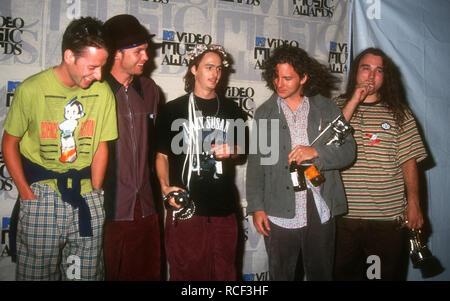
(410, 144)
(334, 156)
(339, 101)
(17, 119)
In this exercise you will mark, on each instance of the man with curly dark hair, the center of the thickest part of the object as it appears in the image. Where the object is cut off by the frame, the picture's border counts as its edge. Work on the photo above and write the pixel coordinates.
(298, 226)
(389, 147)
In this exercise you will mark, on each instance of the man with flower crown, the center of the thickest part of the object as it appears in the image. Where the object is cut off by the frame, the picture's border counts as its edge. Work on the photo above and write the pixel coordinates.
(197, 149)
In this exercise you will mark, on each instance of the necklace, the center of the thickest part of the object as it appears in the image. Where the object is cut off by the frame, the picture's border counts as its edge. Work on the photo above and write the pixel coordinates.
(218, 105)
(193, 127)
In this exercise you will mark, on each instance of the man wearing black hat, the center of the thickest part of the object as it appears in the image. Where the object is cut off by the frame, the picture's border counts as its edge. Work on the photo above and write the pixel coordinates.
(132, 239)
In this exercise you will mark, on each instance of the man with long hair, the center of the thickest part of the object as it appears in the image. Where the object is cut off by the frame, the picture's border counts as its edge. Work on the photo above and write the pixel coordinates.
(196, 153)
(59, 175)
(298, 226)
(388, 149)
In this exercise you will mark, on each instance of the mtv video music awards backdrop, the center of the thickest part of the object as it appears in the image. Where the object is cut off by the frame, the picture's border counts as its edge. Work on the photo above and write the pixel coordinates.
(31, 33)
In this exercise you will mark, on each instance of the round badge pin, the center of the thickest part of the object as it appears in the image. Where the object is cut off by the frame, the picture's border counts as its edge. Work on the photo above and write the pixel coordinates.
(386, 126)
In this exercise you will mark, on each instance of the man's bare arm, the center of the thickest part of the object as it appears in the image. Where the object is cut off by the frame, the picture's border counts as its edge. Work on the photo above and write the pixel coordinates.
(162, 171)
(411, 178)
(11, 155)
(98, 166)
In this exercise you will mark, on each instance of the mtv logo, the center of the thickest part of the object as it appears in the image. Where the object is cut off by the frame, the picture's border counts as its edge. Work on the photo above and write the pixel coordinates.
(5, 222)
(333, 45)
(12, 85)
(168, 35)
(261, 42)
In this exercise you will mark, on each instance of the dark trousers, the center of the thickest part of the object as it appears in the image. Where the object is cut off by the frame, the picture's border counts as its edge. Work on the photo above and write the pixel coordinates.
(132, 249)
(357, 239)
(309, 249)
(202, 248)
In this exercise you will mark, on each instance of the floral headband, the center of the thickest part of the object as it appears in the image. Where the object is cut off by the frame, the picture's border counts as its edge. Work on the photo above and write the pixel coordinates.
(200, 48)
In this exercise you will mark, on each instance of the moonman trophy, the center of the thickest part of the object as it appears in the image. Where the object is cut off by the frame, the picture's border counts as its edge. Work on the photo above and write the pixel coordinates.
(421, 256)
(340, 129)
(187, 209)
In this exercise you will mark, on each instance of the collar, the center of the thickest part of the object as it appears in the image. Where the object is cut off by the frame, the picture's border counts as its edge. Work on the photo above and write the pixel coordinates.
(115, 85)
(281, 100)
(371, 104)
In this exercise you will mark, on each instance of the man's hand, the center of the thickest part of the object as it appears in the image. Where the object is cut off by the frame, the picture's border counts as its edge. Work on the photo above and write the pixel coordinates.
(162, 170)
(362, 90)
(169, 189)
(413, 216)
(261, 222)
(223, 151)
(302, 153)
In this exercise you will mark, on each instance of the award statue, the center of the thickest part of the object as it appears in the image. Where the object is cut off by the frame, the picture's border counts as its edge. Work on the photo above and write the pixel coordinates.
(340, 129)
(421, 256)
(187, 209)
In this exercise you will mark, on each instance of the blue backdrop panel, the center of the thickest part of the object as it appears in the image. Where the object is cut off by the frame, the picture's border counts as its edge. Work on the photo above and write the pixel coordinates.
(416, 35)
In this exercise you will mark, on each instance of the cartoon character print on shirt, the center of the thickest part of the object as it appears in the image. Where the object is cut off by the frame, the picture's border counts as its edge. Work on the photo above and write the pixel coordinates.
(376, 138)
(73, 111)
(213, 131)
(209, 167)
(373, 139)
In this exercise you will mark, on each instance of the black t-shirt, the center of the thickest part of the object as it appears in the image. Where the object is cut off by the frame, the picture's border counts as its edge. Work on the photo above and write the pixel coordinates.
(221, 120)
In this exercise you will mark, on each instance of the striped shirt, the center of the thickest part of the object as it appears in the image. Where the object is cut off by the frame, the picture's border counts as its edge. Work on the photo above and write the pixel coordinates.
(374, 185)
